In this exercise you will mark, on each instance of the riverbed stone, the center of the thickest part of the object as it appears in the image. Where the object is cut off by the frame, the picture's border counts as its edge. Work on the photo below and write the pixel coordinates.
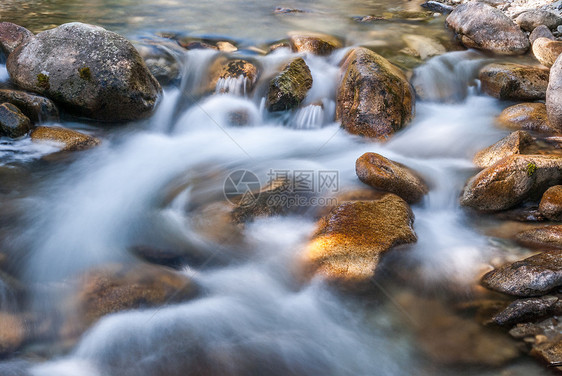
(117, 287)
(550, 351)
(67, 139)
(540, 32)
(223, 70)
(349, 242)
(533, 276)
(514, 81)
(526, 116)
(314, 43)
(381, 173)
(481, 26)
(89, 71)
(37, 108)
(545, 337)
(423, 46)
(531, 19)
(547, 51)
(554, 95)
(541, 237)
(12, 36)
(511, 181)
(12, 332)
(160, 59)
(529, 309)
(289, 88)
(515, 143)
(13, 123)
(551, 203)
(374, 98)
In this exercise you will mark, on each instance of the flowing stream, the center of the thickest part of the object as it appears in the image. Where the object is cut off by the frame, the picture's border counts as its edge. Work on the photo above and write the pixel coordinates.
(252, 315)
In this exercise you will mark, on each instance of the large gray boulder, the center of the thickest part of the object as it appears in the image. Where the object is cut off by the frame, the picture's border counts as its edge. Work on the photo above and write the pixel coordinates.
(481, 26)
(88, 70)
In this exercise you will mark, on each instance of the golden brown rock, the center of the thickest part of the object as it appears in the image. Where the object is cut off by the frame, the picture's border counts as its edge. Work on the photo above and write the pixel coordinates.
(515, 143)
(526, 116)
(68, 139)
(318, 44)
(551, 203)
(349, 241)
(116, 288)
(511, 181)
(547, 50)
(374, 98)
(386, 175)
(224, 70)
(12, 332)
(514, 81)
(541, 237)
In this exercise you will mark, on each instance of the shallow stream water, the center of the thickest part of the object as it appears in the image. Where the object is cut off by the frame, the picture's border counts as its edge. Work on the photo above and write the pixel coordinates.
(75, 214)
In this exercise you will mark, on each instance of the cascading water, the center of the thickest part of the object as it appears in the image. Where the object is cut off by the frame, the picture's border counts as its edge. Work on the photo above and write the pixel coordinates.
(251, 317)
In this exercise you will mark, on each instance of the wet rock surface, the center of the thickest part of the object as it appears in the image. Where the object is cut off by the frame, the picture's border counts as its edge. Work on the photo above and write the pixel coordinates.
(374, 98)
(88, 70)
(533, 276)
(116, 288)
(540, 32)
(481, 26)
(318, 44)
(67, 139)
(511, 181)
(13, 123)
(541, 237)
(530, 309)
(389, 176)
(35, 107)
(12, 332)
(243, 75)
(289, 88)
(526, 116)
(551, 203)
(514, 81)
(516, 143)
(349, 242)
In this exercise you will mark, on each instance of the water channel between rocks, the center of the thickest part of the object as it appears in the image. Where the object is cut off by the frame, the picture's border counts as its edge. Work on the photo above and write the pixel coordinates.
(145, 184)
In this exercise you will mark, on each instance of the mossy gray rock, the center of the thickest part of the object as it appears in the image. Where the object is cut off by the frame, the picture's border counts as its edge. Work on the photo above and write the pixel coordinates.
(481, 26)
(35, 107)
(13, 123)
(289, 88)
(511, 181)
(374, 98)
(386, 175)
(514, 81)
(89, 71)
(12, 36)
(533, 276)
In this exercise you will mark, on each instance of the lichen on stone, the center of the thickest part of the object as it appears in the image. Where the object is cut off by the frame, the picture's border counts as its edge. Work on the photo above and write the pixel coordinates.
(85, 73)
(43, 81)
(531, 168)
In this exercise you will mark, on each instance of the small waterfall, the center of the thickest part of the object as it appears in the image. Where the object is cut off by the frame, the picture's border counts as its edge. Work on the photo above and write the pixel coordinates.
(4, 76)
(448, 78)
(232, 85)
(309, 117)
